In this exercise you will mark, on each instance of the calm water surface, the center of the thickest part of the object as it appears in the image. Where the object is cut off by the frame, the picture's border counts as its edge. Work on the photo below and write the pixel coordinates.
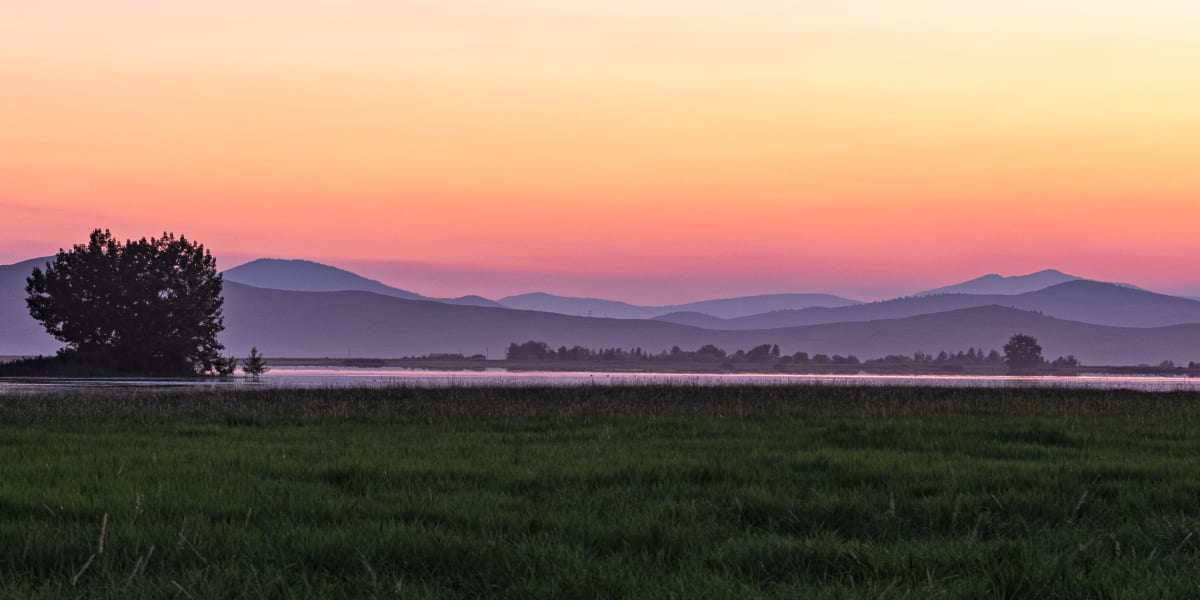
(293, 377)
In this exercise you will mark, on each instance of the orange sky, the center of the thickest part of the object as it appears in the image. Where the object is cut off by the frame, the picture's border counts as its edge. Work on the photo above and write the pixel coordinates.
(657, 151)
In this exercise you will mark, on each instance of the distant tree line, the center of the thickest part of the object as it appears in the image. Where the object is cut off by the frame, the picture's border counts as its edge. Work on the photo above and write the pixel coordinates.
(534, 350)
(1021, 354)
(971, 356)
(764, 353)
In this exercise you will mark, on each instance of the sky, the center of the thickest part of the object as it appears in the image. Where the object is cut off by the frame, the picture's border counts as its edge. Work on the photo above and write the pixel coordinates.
(652, 151)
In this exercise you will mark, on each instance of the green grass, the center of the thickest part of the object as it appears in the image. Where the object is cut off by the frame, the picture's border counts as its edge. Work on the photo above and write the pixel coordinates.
(601, 492)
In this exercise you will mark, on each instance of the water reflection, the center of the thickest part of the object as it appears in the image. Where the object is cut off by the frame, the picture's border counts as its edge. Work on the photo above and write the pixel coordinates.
(293, 377)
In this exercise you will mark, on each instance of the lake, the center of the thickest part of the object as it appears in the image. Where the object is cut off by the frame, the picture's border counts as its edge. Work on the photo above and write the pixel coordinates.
(299, 377)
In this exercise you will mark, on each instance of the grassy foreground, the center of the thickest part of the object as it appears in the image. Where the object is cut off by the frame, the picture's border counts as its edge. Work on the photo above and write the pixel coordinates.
(601, 492)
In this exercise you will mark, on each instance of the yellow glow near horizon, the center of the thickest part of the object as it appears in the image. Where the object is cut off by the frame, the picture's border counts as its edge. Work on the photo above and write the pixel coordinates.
(502, 132)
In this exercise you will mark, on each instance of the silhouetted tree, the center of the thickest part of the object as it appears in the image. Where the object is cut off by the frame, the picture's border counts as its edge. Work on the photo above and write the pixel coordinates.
(759, 353)
(1022, 352)
(150, 305)
(574, 353)
(255, 365)
(530, 350)
(1065, 361)
(225, 366)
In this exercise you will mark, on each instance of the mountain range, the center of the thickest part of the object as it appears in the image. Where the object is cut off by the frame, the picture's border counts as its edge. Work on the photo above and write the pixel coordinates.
(309, 276)
(1010, 285)
(330, 324)
(1079, 300)
(1000, 284)
(725, 308)
(1099, 323)
(19, 333)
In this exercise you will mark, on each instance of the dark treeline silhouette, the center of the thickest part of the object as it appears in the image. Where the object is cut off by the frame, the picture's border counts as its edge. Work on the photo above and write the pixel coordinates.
(972, 356)
(765, 353)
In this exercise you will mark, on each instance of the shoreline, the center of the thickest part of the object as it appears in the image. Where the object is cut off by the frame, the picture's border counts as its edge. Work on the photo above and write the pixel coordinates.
(708, 368)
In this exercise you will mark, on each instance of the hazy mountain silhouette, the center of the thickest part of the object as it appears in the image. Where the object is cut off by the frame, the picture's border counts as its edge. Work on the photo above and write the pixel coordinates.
(364, 324)
(1011, 285)
(1079, 300)
(724, 307)
(566, 305)
(989, 327)
(749, 305)
(999, 284)
(19, 333)
(309, 276)
(471, 300)
(703, 321)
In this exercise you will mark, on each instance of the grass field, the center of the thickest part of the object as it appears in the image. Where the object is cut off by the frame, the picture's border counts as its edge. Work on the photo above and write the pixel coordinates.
(602, 492)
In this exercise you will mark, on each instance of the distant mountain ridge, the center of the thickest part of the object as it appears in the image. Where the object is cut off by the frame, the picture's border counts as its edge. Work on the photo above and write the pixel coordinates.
(993, 284)
(19, 333)
(1077, 300)
(721, 308)
(308, 276)
(370, 324)
(998, 284)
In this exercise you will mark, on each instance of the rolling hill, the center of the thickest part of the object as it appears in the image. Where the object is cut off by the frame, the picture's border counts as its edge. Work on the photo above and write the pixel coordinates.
(727, 308)
(1079, 300)
(19, 333)
(364, 324)
(309, 276)
(989, 327)
(1010, 285)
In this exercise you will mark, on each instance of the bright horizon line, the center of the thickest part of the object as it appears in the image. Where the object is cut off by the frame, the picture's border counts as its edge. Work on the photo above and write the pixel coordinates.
(613, 298)
(616, 296)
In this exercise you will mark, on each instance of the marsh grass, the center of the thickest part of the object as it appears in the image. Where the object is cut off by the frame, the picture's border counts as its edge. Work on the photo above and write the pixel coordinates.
(592, 492)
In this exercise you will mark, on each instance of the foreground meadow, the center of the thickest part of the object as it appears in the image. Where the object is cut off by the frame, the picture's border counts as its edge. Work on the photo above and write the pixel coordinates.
(601, 492)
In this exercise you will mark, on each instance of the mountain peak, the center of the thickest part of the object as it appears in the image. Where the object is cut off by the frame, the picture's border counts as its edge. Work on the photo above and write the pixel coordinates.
(308, 276)
(994, 283)
(300, 275)
(721, 308)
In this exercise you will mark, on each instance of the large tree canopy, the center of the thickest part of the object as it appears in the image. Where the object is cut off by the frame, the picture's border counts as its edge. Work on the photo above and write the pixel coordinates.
(1022, 353)
(151, 305)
